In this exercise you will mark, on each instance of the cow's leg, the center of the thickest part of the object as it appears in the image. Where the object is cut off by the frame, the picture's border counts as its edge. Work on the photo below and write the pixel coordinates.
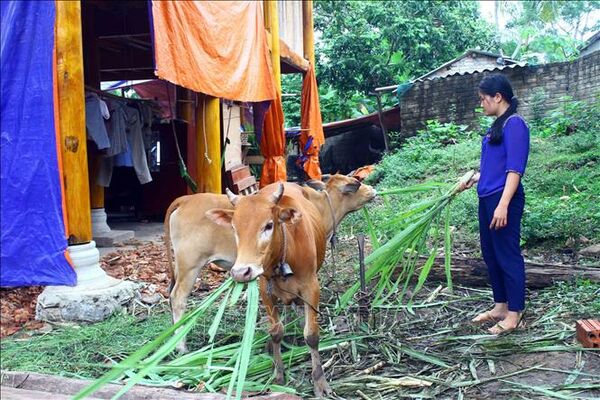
(185, 277)
(311, 335)
(275, 330)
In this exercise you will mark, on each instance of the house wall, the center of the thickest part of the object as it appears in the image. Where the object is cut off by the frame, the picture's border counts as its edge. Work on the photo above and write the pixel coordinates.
(472, 62)
(454, 98)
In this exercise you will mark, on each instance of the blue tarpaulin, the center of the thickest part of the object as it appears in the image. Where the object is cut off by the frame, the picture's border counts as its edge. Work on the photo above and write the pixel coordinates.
(32, 238)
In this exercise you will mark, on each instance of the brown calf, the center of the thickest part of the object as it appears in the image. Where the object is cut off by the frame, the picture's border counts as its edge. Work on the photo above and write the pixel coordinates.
(287, 224)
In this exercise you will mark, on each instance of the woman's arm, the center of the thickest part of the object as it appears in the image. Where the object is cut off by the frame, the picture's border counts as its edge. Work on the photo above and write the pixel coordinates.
(516, 142)
(501, 213)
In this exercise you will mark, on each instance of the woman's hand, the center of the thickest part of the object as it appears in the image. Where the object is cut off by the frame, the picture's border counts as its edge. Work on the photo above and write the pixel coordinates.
(466, 185)
(500, 218)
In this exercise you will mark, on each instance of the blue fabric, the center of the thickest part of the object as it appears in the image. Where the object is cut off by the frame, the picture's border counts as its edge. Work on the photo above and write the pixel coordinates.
(501, 250)
(32, 241)
(498, 160)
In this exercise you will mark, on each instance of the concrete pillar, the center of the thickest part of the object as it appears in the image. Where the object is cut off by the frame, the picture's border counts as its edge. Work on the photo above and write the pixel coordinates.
(96, 296)
(103, 235)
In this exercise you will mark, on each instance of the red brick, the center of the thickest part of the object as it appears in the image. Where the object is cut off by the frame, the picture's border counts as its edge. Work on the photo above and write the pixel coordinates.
(588, 333)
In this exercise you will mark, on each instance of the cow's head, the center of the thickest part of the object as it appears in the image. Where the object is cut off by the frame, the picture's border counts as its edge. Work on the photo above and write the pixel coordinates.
(256, 221)
(348, 194)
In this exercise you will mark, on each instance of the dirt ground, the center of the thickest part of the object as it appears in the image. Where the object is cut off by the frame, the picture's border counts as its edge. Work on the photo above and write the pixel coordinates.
(139, 261)
(527, 364)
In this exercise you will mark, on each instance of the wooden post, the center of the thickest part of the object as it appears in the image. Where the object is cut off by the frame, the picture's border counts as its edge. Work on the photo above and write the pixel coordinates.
(208, 138)
(272, 25)
(96, 191)
(308, 39)
(71, 122)
(192, 140)
(91, 72)
(386, 139)
(184, 108)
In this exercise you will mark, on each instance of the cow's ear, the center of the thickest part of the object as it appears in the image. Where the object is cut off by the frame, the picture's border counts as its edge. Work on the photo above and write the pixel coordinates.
(351, 187)
(290, 215)
(220, 216)
(316, 184)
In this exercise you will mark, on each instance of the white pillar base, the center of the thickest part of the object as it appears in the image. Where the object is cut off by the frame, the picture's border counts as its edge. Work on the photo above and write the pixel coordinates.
(96, 296)
(103, 235)
(99, 225)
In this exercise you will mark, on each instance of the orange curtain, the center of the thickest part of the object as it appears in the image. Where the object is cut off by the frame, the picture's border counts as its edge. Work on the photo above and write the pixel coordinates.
(272, 145)
(214, 47)
(312, 126)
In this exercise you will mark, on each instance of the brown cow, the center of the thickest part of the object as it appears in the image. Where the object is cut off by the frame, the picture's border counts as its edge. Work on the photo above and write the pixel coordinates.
(196, 243)
(287, 224)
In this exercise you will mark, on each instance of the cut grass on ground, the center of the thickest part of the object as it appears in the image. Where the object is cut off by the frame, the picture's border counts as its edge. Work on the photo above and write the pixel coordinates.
(435, 344)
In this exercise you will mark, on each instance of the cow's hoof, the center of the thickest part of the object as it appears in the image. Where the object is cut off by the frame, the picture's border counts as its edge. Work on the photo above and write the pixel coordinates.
(279, 378)
(322, 388)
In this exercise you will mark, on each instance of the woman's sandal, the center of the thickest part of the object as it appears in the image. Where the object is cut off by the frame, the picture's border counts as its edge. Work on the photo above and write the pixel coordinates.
(487, 316)
(502, 330)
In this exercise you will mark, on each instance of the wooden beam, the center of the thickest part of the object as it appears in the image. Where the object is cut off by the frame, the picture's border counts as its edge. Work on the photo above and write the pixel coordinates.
(289, 57)
(308, 38)
(272, 25)
(55, 387)
(208, 138)
(71, 121)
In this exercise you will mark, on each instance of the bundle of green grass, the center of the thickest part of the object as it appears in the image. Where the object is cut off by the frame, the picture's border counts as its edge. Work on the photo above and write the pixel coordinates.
(425, 224)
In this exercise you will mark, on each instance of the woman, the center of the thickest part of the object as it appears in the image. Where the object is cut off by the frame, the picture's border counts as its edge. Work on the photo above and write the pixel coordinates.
(504, 153)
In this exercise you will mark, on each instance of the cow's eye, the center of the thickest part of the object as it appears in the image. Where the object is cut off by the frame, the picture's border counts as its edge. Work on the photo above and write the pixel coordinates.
(268, 226)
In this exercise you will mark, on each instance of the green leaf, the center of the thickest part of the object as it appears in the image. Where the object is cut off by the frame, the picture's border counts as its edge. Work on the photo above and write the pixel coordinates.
(397, 57)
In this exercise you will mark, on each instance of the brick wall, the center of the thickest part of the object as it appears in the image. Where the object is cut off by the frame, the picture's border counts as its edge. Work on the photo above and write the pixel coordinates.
(539, 88)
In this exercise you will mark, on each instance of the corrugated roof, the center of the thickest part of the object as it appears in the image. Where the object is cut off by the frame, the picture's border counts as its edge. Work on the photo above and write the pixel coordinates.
(477, 70)
(595, 37)
(506, 60)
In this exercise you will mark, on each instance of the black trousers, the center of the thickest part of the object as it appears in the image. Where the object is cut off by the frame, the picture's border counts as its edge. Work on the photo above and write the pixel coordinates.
(502, 251)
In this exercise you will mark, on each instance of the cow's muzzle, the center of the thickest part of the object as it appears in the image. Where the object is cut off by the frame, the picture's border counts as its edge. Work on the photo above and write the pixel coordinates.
(246, 272)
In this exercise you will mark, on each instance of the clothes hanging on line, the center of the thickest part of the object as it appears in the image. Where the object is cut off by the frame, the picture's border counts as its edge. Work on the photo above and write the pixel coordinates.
(124, 136)
(136, 156)
(96, 112)
(116, 128)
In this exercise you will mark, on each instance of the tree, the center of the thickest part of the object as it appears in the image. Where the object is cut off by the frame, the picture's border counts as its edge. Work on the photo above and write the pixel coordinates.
(547, 31)
(367, 44)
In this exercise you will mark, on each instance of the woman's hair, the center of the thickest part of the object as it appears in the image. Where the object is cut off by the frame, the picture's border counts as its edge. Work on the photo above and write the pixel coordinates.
(490, 85)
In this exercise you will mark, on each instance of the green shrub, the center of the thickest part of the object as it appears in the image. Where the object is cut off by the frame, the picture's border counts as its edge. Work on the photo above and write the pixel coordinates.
(570, 117)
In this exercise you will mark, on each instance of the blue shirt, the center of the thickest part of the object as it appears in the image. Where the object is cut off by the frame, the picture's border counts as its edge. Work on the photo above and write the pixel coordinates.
(509, 156)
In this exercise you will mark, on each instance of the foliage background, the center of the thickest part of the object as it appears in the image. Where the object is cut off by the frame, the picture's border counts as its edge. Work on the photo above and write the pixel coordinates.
(361, 45)
(562, 181)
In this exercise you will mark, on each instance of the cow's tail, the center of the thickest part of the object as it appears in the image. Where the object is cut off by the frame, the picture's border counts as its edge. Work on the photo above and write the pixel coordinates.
(174, 205)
